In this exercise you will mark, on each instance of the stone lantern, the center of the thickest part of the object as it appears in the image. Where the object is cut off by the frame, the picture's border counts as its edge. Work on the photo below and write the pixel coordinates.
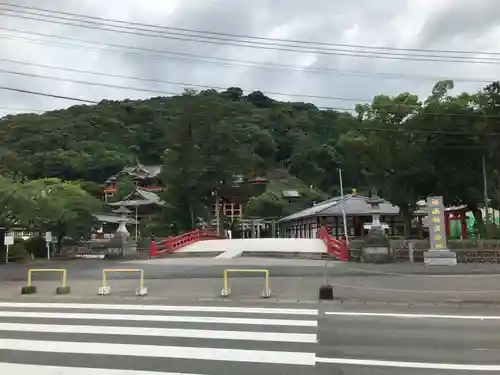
(121, 245)
(376, 245)
(122, 231)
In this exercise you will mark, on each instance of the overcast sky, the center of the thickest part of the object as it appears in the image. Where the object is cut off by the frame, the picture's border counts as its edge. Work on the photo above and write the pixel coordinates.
(418, 24)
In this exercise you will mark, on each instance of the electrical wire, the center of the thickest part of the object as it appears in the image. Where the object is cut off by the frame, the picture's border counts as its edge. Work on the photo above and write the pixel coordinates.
(367, 129)
(219, 61)
(21, 109)
(252, 44)
(22, 8)
(189, 84)
(101, 84)
(47, 95)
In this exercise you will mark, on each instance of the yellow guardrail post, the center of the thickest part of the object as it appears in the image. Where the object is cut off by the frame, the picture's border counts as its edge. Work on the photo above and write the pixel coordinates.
(226, 290)
(105, 289)
(31, 289)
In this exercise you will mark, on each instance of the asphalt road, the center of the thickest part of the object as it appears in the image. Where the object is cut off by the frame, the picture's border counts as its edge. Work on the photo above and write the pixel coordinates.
(174, 340)
(396, 340)
(256, 339)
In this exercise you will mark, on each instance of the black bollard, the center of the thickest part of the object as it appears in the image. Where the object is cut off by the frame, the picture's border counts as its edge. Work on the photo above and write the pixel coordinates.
(326, 292)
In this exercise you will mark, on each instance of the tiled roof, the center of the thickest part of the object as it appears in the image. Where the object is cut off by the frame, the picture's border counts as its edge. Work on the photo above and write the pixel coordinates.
(352, 204)
(111, 218)
(291, 193)
(148, 170)
(140, 197)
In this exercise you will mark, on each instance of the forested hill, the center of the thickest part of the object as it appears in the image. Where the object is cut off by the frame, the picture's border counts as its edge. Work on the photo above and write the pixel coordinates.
(91, 143)
(405, 146)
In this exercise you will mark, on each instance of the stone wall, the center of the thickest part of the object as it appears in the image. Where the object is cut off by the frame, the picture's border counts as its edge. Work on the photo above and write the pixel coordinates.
(468, 251)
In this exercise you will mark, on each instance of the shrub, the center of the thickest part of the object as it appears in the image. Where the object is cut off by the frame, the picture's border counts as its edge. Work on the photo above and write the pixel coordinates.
(36, 246)
(17, 252)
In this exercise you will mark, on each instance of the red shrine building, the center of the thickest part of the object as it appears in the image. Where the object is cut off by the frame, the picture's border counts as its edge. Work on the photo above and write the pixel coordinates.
(233, 196)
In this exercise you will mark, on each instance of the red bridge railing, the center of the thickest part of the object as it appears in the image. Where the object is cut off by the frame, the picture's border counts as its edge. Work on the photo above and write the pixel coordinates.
(174, 243)
(337, 248)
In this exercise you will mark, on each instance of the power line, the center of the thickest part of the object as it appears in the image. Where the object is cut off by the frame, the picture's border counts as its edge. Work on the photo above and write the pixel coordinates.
(424, 131)
(362, 129)
(122, 87)
(219, 61)
(153, 80)
(100, 84)
(22, 109)
(425, 113)
(266, 46)
(241, 36)
(48, 95)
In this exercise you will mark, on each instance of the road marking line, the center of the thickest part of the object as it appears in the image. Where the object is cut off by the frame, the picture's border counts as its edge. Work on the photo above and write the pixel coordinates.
(413, 316)
(97, 306)
(159, 318)
(160, 351)
(161, 332)
(19, 369)
(412, 365)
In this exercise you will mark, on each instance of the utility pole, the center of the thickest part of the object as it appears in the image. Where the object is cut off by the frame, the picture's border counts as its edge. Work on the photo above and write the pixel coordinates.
(217, 211)
(485, 186)
(344, 218)
(136, 224)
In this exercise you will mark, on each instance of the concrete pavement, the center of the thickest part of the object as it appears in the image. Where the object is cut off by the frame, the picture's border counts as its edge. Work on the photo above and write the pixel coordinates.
(296, 280)
(460, 290)
(176, 268)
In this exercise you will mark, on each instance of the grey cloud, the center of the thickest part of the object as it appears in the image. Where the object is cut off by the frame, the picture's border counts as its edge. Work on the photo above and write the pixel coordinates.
(462, 20)
(406, 24)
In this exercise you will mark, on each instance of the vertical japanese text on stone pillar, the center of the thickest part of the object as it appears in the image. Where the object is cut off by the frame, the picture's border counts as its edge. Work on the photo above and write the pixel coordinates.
(435, 215)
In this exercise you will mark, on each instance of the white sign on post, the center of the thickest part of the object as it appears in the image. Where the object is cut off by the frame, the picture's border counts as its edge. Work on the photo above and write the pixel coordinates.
(8, 241)
(48, 238)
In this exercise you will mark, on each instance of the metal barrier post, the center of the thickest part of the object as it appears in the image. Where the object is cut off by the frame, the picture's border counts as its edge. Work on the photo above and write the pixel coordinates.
(31, 289)
(226, 290)
(105, 289)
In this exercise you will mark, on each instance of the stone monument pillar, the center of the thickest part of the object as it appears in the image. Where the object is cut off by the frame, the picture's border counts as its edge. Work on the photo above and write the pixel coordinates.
(376, 245)
(438, 254)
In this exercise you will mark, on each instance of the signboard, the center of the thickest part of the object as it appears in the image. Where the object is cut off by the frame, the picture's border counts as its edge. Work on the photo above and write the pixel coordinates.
(435, 215)
(48, 236)
(8, 240)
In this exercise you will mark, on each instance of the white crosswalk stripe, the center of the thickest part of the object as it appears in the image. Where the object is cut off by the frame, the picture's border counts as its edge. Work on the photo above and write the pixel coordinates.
(105, 339)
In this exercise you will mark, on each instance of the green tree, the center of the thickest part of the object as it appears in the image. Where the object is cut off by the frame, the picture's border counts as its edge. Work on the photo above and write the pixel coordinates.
(457, 146)
(269, 204)
(125, 185)
(210, 142)
(391, 155)
(63, 208)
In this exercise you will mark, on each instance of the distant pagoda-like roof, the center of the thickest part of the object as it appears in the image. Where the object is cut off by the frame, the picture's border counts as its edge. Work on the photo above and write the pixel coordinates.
(140, 197)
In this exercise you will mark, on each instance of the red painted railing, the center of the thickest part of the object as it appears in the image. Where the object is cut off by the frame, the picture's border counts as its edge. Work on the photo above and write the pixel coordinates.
(335, 247)
(174, 243)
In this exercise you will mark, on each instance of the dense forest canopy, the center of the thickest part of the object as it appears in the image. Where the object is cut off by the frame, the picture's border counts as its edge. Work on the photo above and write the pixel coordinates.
(404, 146)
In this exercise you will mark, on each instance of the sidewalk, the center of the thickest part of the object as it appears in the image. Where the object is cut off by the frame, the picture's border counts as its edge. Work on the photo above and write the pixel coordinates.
(405, 289)
(361, 269)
